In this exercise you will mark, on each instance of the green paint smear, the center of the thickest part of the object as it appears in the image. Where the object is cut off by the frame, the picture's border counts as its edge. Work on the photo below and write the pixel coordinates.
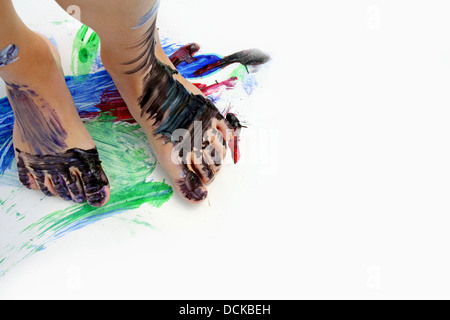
(84, 52)
(240, 72)
(59, 223)
(128, 161)
(58, 23)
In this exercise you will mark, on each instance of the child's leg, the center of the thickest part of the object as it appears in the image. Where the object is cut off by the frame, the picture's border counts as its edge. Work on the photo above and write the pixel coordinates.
(159, 98)
(54, 150)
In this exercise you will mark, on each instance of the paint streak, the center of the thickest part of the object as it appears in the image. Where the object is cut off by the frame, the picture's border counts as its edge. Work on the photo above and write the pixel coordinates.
(236, 127)
(248, 81)
(6, 131)
(253, 57)
(9, 55)
(128, 162)
(199, 66)
(188, 70)
(217, 88)
(84, 52)
(112, 103)
(37, 122)
(148, 16)
(88, 94)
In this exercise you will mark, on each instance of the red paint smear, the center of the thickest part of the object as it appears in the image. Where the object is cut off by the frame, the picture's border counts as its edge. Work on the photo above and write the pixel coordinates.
(209, 67)
(233, 144)
(185, 54)
(112, 103)
(217, 87)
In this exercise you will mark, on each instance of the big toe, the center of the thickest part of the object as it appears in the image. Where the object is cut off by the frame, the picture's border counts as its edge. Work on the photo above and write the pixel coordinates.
(190, 186)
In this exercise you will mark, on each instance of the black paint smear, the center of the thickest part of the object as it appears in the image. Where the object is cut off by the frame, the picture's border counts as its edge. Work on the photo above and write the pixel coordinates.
(145, 59)
(37, 123)
(76, 174)
(164, 99)
(234, 122)
(172, 107)
(252, 57)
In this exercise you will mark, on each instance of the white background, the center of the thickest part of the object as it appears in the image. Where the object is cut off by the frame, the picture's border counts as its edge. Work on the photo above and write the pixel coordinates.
(354, 200)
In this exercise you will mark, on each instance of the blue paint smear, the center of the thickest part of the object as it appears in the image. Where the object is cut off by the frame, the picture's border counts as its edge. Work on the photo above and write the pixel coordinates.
(203, 60)
(6, 132)
(87, 94)
(169, 47)
(188, 70)
(249, 84)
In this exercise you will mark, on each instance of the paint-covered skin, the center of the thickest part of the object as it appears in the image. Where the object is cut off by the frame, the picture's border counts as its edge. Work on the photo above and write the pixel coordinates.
(9, 55)
(75, 175)
(37, 123)
(148, 16)
(252, 57)
(185, 120)
(185, 54)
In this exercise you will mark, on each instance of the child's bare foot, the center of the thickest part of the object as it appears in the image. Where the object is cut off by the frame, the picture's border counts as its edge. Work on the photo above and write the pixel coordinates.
(186, 131)
(55, 153)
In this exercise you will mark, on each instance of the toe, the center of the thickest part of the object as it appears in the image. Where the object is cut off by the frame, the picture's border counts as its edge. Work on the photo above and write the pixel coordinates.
(32, 182)
(214, 155)
(27, 179)
(43, 183)
(203, 167)
(217, 137)
(74, 185)
(224, 129)
(99, 196)
(24, 177)
(191, 186)
(60, 186)
(96, 187)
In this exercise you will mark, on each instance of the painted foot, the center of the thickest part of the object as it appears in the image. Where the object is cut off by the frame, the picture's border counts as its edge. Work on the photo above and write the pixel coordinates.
(186, 131)
(55, 153)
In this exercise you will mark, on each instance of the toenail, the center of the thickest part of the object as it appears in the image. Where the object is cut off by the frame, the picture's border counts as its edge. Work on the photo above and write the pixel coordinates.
(199, 194)
(97, 199)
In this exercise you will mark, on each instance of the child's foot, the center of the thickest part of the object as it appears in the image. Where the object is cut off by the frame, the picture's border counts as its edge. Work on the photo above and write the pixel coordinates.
(55, 153)
(186, 131)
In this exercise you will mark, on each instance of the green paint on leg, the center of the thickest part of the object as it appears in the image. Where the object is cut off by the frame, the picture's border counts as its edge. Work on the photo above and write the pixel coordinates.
(84, 52)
